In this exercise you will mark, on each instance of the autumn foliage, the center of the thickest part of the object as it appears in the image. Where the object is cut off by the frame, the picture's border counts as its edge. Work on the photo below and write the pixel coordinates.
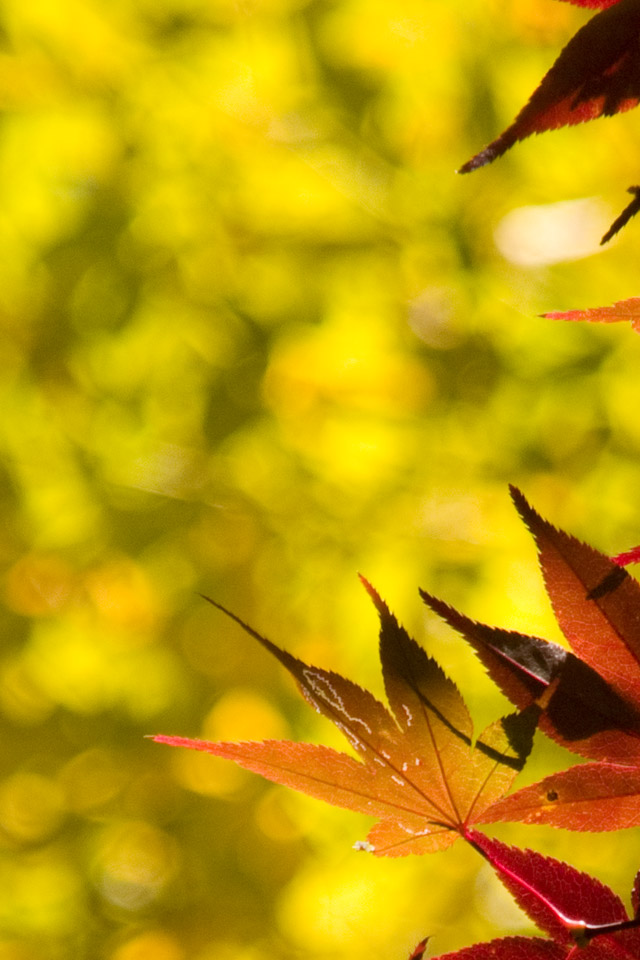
(415, 763)
(627, 310)
(596, 75)
(421, 772)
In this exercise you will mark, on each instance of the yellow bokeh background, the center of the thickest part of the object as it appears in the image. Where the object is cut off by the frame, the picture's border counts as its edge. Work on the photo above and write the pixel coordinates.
(257, 336)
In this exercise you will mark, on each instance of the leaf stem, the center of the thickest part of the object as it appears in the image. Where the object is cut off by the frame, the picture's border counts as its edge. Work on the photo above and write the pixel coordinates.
(590, 931)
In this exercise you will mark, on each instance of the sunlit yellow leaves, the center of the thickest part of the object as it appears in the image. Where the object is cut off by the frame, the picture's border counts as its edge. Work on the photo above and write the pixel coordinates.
(44, 899)
(254, 336)
(537, 23)
(262, 77)
(52, 162)
(321, 374)
(341, 365)
(124, 597)
(390, 34)
(313, 194)
(30, 80)
(93, 642)
(57, 509)
(32, 808)
(150, 945)
(90, 677)
(22, 700)
(91, 779)
(38, 584)
(334, 899)
(239, 715)
(93, 48)
(133, 863)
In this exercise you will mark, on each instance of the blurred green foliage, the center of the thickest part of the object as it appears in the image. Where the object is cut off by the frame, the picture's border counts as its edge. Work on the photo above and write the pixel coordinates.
(256, 336)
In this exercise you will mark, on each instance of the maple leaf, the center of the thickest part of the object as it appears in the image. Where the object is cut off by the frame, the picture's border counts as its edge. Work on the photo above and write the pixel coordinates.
(419, 951)
(629, 556)
(594, 4)
(418, 770)
(591, 697)
(628, 310)
(629, 211)
(597, 74)
(582, 916)
(582, 711)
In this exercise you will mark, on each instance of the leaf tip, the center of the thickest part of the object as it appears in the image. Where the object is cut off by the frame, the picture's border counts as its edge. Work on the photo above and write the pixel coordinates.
(629, 556)
(365, 583)
(475, 163)
(172, 741)
(419, 950)
(629, 211)
(490, 152)
(379, 603)
(530, 517)
(520, 501)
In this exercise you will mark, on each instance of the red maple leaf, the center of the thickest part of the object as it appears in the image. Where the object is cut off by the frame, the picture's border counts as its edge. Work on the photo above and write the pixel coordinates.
(629, 556)
(594, 4)
(418, 952)
(583, 917)
(628, 310)
(591, 697)
(418, 770)
(597, 74)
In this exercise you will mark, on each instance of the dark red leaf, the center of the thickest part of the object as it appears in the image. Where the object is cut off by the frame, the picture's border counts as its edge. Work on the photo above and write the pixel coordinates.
(596, 602)
(590, 706)
(534, 948)
(594, 4)
(629, 211)
(628, 310)
(419, 951)
(584, 918)
(560, 900)
(510, 948)
(635, 895)
(578, 911)
(581, 710)
(522, 666)
(597, 74)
